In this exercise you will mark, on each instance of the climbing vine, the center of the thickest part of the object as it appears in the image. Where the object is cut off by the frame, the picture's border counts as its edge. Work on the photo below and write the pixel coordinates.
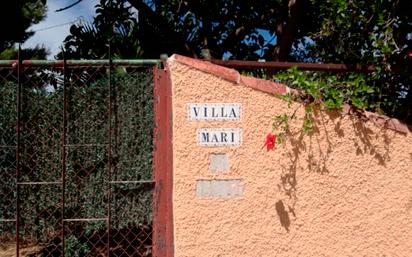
(324, 90)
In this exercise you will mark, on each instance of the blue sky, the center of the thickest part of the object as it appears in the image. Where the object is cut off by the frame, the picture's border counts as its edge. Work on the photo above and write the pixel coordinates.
(52, 37)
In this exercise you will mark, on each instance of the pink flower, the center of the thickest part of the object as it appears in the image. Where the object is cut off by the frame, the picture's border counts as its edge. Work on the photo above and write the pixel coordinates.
(270, 141)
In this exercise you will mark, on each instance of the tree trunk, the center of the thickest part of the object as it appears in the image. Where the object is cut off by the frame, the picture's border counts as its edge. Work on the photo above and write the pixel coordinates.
(286, 32)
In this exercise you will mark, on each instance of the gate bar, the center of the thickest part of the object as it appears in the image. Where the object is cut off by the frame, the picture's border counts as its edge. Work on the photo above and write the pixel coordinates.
(19, 73)
(332, 67)
(109, 149)
(131, 182)
(89, 63)
(85, 219)
(63, 148)
(236, 64)
(40, 183)
(85, 145)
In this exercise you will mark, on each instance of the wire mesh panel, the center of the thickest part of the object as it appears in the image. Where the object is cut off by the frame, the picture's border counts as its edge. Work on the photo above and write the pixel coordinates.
(41, 124)
(86, 238)
(131, 184)
(131, 228)
(40, 219)
(86, 178)
(8, 122)
(40, 159)
(133, 130)
(76, 147)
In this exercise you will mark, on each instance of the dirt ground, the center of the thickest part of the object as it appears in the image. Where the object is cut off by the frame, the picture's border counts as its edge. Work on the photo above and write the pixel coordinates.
(9, 250)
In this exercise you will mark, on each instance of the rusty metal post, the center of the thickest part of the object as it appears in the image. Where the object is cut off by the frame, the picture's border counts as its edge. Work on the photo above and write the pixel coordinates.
(18, 165)
(109, 146)
(163, 245)
(63, 148)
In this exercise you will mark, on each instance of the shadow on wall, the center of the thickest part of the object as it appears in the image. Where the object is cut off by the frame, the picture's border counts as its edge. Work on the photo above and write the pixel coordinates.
(321, 143)
(365, 144)
(314, 150)
(283, 215)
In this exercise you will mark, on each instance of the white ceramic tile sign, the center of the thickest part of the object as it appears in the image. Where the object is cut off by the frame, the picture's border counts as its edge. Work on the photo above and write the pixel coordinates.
(214, 111)
(219, 136)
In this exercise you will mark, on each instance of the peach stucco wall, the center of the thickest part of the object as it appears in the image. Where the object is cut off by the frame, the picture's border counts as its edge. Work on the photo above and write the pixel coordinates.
(345, 190)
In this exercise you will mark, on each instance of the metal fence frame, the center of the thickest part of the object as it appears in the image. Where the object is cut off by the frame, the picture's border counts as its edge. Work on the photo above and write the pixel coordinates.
(162, 231)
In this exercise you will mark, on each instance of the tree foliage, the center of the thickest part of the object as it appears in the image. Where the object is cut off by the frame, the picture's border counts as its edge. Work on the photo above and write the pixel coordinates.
(114, 21)
(375, 33)
(34, 53)
(226, 28)
(337, 30)
(15, 19)
(379, 34)
(362, 31)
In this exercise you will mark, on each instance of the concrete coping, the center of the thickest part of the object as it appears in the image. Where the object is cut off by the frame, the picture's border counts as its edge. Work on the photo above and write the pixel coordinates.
(274, 88)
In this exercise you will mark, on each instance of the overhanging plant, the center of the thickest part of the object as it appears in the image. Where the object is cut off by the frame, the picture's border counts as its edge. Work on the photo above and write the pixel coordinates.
(320, 90)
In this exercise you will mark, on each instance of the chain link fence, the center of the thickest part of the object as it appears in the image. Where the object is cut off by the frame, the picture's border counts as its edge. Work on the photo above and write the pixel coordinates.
(76, 144)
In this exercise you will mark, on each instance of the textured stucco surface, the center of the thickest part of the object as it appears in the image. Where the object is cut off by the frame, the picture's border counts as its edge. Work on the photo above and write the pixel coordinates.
(345, 190)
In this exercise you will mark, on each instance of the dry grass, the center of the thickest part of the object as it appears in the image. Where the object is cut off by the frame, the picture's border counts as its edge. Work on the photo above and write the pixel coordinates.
(9, 250)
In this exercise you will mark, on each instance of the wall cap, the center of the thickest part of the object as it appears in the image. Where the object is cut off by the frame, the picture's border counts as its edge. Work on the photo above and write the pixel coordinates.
(274, 88)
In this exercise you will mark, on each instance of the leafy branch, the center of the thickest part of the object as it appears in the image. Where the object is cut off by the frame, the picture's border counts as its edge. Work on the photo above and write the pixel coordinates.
(328, 90)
